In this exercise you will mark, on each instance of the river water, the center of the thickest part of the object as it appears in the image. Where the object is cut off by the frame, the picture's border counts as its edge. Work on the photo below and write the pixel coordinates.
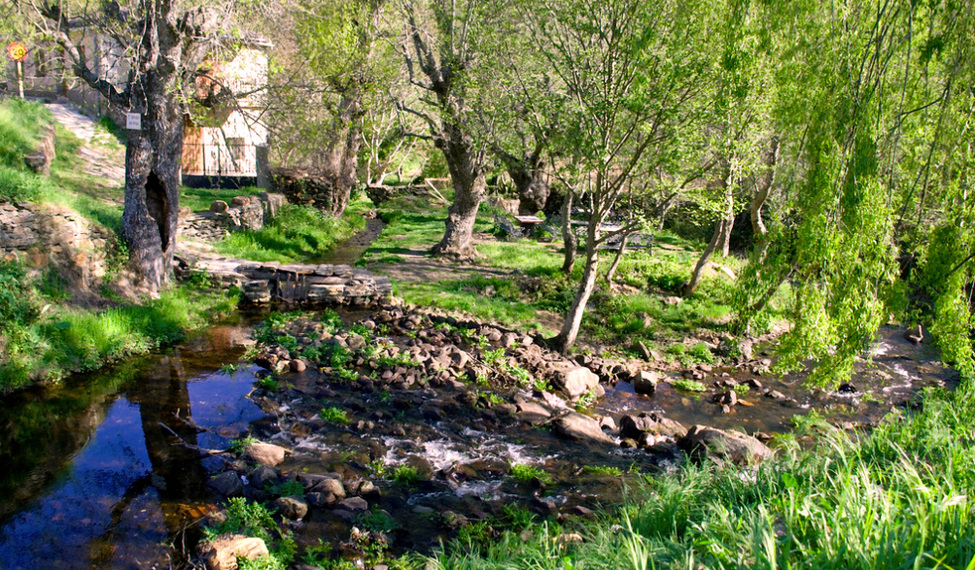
(96, 473)
(92, 473)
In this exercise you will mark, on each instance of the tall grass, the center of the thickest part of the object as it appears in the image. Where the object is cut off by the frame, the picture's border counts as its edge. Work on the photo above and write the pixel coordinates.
(899, 497)
(48, 346)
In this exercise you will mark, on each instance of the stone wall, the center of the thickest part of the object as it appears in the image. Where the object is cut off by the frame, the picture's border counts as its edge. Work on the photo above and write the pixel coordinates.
(45, 236)
(295, 284)
(243, 213)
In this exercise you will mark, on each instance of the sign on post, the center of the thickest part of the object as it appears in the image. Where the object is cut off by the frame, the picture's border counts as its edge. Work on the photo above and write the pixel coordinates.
(133, 121)
(17, 52)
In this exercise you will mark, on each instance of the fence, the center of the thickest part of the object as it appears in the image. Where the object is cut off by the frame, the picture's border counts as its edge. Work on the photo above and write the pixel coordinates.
(231, 159)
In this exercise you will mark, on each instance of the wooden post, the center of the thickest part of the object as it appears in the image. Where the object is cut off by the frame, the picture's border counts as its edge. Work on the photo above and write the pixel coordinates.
(20, 78)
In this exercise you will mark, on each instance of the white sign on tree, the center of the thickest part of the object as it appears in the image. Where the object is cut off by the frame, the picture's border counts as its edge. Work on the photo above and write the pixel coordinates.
(133, 121)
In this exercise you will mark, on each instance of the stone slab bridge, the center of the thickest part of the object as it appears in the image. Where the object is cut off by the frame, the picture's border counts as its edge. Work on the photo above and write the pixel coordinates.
(301, 285)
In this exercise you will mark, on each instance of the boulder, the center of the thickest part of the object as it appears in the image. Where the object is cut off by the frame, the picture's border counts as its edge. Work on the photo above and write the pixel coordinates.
(703, 441)
(222, 552)
(575, 381)
(645, 383)
(633, 425)
(227, 484)
(581, 428)
(264, 453)
(293, 508)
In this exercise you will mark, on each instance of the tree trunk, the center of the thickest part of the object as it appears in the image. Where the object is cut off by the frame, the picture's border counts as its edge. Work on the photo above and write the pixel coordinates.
(152, 177)
(341, 157)
(762, 190)
(573, 320)
(531, 182)
(721, 230)
(616, 260)
(569, 240)
(724, 239)
(470, 188)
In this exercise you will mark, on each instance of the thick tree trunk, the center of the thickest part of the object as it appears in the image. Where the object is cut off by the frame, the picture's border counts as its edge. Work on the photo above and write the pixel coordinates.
(531, 181)
(762, 190)
(340, 159)
(569, 240)
(467, 176)
(152, 176)
(573, 320)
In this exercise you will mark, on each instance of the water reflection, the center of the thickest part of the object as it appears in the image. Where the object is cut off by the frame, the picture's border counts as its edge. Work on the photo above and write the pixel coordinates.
(94, 475)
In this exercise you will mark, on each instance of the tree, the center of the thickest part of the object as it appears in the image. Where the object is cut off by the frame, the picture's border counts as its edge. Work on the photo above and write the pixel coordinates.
(628, 69)
(868, 94)
(166, 45)
(440, 52)
(330, 66)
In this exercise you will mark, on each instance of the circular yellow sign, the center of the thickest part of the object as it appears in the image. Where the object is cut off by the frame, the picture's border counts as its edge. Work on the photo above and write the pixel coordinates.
(17, 51)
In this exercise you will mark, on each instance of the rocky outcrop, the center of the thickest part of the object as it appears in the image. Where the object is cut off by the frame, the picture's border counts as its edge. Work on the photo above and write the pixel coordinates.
(48, 236)
(40, 161)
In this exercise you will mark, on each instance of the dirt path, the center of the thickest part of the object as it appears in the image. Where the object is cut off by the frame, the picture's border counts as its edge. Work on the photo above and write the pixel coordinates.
(100, 157)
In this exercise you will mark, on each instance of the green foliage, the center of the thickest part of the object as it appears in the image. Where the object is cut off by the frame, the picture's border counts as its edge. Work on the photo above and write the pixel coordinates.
(603, 470)
(527, 473)
(688, 385)
(254, 519)
(289, 488)
(237, 446)
(334, 415)
(375, 520)
(405, 474)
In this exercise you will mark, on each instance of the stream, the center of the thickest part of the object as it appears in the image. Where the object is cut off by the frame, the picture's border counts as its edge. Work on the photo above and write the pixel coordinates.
(91, 478)
(99, 472)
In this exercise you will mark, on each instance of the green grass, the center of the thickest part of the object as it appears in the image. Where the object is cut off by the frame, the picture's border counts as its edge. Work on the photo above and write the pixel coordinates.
(48, 345)
(527, 473)
(298, 234)
(334, 415)
(899, 497)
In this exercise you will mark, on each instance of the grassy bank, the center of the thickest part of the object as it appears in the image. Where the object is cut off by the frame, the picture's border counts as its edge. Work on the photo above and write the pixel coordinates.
(44, 340)
(296, 234)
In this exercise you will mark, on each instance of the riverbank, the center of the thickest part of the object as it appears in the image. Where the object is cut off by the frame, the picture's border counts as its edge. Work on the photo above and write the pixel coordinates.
(400, 430)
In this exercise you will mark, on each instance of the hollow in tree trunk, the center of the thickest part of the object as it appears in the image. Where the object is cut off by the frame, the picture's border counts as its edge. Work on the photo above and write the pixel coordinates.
(152, 176)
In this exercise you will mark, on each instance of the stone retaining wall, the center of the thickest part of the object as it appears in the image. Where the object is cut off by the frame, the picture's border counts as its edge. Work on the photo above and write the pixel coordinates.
(243, 213)
(47, 236)
(307, 286)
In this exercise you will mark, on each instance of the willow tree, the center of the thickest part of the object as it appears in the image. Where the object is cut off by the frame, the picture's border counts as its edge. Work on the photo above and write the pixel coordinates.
(883, 161)
(165, 45)
(628, 70)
